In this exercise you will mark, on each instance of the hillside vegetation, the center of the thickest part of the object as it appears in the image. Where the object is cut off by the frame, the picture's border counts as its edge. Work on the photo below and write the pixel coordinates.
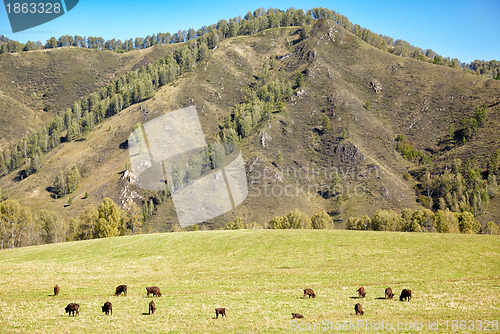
(35, 85)
(325, 122)
(258, 275)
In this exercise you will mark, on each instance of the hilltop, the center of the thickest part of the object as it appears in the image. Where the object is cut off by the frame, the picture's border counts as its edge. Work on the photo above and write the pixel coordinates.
(36, 84)
(369, 96)
(258, 275)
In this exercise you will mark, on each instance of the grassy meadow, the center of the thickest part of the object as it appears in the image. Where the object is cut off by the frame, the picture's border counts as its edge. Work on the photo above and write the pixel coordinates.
(258, 275)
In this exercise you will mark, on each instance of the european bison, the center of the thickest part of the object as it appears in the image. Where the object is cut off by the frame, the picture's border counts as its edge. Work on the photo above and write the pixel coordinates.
(361, 292)
(120, 289)
(107, 308)
(405, 294)
(72, 308)
(358, 309)
(297, 316)
(309, 292)
(220, 311)
(388, 293)
(56, 290)
(152, 307)
(154, 290)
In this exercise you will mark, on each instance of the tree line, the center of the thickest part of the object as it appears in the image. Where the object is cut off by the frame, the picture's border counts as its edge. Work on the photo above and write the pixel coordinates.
(422, 220)
(20, 227)
(252, 23)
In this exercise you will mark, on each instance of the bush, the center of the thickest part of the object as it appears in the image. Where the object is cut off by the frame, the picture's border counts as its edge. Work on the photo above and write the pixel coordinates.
(446, 221)
(385, 220)
(467, 223)
(234, 225)
(293, 220)
(353, 223)
(490, 228)
(321, 220)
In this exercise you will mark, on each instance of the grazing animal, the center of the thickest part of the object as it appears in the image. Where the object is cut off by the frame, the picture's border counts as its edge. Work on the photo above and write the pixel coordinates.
(309, 292)
(358, 309)
(297, 316)
(152, 307)
(154, 290)
(56, 290)
(72, 308)
(405, 294)
(361, 292)
(107, 308)
(388, 293)
(220, 311)
(120, 289)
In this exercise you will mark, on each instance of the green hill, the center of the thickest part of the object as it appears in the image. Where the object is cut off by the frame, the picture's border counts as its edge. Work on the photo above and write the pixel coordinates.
(258, 275)
(370, 97)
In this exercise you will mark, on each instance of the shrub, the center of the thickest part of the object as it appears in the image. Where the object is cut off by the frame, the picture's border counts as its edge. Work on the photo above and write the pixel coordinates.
(490, 228)
(321, 220)
(467, 223)
(234, 225)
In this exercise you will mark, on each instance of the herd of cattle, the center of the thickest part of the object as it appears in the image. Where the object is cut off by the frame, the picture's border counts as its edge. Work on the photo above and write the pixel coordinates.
(405, 295)
(73, 309)
(107, 308)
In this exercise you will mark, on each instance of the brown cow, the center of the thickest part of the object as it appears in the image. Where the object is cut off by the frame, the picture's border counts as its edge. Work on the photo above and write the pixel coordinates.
(297, 316)
(72, 308)
(361, 292)
(56, 290)
(107, 308)
(309, 292)
(220, 311)
(152, 307)
(120, 289)
(154, 290)
(405, 294)
(388, 293)
(358, 309)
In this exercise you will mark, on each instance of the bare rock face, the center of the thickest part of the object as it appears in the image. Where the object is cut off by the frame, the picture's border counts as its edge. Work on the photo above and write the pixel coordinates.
(376, 86)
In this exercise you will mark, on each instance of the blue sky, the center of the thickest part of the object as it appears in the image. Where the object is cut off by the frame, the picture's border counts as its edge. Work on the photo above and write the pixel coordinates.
(466, 30)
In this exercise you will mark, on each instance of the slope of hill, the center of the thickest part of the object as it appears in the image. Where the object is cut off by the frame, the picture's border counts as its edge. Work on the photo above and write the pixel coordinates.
(258, 275)
(34, 85)
(289, 159)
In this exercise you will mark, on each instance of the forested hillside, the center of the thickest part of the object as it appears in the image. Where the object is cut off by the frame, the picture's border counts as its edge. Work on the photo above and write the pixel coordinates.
(334, 122)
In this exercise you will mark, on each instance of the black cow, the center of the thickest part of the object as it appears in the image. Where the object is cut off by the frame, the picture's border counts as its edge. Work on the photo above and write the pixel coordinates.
(309, 292)
(405, 294)
(359, 309)
(72, 308)
(121, 289)
(297, 316)
(220, 311)
(107, 308)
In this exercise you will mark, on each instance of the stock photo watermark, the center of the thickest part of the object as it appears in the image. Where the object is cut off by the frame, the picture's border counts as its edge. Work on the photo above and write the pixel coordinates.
(310, 180)
(28, 14)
